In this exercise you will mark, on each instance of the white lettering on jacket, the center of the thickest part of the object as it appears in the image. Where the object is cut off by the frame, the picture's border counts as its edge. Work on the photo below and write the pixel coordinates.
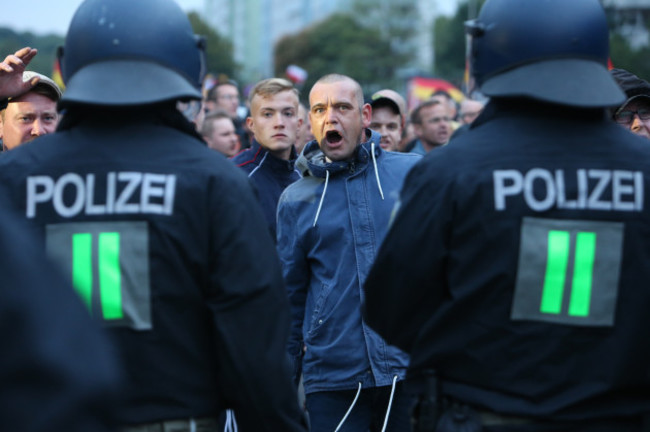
(597, 189)
(123, 193)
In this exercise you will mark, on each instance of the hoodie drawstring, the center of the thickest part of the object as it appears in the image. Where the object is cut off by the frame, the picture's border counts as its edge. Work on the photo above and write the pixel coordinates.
(322, 197)
(374, 163)
(327, 178)
(231, 423)
(390, 403)
(345, 417)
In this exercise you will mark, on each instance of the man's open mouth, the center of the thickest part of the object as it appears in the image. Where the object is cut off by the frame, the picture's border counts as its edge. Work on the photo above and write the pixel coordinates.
(333, 137)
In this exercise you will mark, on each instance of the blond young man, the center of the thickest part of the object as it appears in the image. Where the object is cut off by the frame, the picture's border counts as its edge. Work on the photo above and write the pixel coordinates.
(269, 161)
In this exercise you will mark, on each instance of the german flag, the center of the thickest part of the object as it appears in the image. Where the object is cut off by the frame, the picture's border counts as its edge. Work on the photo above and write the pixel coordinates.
(420, 89)
(56, 74)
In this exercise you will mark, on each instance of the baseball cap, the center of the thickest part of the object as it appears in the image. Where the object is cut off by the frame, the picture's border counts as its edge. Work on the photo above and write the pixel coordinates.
(633, 86)
(44, 85)
(392, 98)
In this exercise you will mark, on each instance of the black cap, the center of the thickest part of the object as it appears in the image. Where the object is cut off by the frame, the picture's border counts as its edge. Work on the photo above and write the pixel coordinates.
(633, 86)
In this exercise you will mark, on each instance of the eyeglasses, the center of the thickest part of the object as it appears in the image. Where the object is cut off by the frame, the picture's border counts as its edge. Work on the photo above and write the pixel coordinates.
(627, 117)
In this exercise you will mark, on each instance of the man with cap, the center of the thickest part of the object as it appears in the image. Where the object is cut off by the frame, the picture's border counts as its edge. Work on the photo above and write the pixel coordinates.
(515, 270)
(634, 114)
(161, 237)
(388, 117)
(31, 113)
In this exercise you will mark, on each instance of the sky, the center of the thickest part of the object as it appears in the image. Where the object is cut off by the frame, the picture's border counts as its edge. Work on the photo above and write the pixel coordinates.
(52, 16)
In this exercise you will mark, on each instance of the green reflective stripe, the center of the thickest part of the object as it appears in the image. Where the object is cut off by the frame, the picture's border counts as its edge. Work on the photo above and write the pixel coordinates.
(82, 269)
(582, 274)
(110, 275)
(556, 265)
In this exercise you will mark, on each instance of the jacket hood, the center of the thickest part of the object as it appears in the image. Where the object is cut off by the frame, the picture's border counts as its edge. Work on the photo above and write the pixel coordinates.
(312, 159)
(312, 162)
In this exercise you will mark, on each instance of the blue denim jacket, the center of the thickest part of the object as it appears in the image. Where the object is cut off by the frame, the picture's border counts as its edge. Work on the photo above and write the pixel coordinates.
(330, 225)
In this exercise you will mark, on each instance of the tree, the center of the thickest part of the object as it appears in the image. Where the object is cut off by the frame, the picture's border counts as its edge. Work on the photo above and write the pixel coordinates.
(450, 42)
(219, 50)
(396, 18)
(11, 41)
(622, 54)
(339, 44)
(624, 57)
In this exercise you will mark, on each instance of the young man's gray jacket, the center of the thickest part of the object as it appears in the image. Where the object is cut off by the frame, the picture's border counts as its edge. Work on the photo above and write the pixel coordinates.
(330, 225)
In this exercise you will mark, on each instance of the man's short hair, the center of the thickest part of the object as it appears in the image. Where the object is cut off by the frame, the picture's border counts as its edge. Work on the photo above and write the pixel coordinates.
(332, 78)
(415, 115)
(212, 93)
(208, 125)
(271, 87)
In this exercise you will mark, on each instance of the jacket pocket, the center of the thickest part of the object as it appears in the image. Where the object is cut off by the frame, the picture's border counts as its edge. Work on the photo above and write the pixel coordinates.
(318, 314)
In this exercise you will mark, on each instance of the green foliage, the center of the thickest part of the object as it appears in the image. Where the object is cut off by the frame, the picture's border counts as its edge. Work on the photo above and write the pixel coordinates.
(624, 57)
(450, 43)
(396, 18)
(11, 42)
(339, 44)
(622, 54)
(219, 50)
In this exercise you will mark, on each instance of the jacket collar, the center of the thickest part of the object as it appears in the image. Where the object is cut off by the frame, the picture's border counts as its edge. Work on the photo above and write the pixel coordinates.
(312, 160)
(273, 161)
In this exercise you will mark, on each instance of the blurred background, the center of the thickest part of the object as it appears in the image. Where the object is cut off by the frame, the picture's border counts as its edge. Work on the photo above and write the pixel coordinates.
(412, 46)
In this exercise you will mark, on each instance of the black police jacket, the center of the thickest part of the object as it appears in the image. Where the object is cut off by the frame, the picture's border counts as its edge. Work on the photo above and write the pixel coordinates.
(517, 266)
(57, 369)
(165, 242)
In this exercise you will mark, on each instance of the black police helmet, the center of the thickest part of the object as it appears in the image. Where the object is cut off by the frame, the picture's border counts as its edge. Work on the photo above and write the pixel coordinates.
(126, 52)
(550, 50)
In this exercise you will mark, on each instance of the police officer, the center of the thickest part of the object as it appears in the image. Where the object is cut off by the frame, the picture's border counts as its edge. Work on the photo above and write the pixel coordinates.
(515, 271)
(161, 236)
(58, 371)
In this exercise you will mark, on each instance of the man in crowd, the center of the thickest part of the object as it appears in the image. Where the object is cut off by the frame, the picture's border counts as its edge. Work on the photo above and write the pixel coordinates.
(304, 134)
(31, 113)
(388, 118)
(218, 131)
(330, 224)
(225, 95)
(469, 110)
(634, 113)
(445, 99)
(432, 126)
(515, 270)
(269, 162)
(162, 237)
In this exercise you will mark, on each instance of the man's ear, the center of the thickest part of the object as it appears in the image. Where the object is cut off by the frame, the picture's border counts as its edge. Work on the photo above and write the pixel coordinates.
(366, 115)
(250, 124)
